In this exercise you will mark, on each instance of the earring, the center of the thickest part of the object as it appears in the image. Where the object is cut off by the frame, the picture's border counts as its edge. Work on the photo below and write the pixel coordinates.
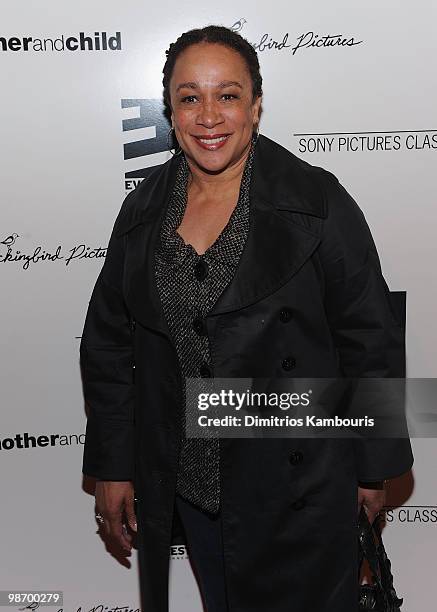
(169, 145)
(256, 132)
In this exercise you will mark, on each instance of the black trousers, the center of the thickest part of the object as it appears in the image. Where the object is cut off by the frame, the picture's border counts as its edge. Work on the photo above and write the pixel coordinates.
(203, 535)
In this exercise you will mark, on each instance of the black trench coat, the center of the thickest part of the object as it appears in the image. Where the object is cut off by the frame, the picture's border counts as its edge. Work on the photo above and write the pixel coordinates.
(289, 506)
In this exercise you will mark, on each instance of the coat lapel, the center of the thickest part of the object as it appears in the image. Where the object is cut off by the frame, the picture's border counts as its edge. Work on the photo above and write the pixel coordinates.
(142, 225)
(276, 245)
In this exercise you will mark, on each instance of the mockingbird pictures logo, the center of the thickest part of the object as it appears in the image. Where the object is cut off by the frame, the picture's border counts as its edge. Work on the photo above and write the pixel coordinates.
(306, 40)
(9, 253)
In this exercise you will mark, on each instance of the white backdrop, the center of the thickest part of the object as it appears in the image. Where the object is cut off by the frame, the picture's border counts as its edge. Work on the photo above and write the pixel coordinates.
(364, 110)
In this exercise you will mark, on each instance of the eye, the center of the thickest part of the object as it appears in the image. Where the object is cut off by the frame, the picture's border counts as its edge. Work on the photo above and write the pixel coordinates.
(228, 96)
(188, 99)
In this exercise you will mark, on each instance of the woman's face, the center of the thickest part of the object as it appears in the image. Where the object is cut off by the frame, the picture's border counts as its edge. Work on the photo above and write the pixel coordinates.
(212, 108)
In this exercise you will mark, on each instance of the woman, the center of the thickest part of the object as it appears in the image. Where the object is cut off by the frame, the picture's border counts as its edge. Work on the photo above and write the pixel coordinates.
(235, 259)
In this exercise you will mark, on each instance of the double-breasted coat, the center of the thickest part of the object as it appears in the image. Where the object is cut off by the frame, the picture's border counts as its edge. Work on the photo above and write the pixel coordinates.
(308, 300)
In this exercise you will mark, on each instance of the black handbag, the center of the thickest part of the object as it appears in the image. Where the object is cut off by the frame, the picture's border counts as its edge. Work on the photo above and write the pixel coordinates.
(381, 595)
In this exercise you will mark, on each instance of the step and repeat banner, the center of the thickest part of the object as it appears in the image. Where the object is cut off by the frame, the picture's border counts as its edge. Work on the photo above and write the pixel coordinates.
(348, 86)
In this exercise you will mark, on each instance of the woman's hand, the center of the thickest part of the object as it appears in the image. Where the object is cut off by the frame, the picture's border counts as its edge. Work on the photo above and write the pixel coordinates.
(372, 497)
(112, 498)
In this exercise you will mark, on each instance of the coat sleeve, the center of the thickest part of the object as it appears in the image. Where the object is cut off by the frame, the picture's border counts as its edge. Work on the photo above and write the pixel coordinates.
(364, 319)
(107, 360)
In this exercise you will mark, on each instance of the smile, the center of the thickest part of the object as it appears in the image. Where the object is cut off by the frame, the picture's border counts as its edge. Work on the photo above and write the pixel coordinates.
(211, 143)
(212, 140)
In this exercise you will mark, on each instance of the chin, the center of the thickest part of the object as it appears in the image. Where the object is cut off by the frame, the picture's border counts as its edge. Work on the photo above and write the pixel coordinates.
(212, 161)
(214, 166)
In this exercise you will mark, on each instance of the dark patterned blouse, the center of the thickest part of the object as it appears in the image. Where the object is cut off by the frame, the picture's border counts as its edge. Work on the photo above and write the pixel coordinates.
(189, 284)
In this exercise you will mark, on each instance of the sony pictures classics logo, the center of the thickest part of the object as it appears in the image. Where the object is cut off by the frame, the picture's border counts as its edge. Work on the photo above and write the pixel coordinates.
(10, 254)
(407, 515)
(306, 40)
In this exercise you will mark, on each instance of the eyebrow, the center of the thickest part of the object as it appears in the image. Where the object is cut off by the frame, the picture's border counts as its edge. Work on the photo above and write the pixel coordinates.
(223, 84)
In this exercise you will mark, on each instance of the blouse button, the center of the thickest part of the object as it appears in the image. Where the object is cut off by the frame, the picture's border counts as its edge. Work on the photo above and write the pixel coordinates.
(204, 370)
(201, 270)
(199, 326)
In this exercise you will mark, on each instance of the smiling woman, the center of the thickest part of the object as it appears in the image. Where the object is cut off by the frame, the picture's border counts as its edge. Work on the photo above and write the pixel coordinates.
(214, 113)
(210, 113)
(235, 259)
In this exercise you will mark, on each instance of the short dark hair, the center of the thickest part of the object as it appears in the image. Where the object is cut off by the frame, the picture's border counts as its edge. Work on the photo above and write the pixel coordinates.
(213, 34)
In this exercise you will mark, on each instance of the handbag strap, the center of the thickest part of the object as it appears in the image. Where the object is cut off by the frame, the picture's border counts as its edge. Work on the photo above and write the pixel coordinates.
(385, 567)
(377, 559)
(368, 547)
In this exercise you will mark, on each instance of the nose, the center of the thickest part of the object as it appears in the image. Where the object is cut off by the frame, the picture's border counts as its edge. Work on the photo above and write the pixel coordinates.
(209, 114)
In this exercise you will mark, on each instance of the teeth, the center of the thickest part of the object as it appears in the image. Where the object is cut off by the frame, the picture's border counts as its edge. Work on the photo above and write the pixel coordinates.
(212, 140)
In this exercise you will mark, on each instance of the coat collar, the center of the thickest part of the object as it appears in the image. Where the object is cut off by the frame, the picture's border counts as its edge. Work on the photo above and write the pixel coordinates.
(276, 247)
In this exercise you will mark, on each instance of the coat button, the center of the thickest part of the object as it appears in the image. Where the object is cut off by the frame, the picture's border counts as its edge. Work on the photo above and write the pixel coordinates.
(199, 326)
(298, 504)
(201, 270)
(285, 315)
(288, 363)
(204, 370)
(295, 457)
